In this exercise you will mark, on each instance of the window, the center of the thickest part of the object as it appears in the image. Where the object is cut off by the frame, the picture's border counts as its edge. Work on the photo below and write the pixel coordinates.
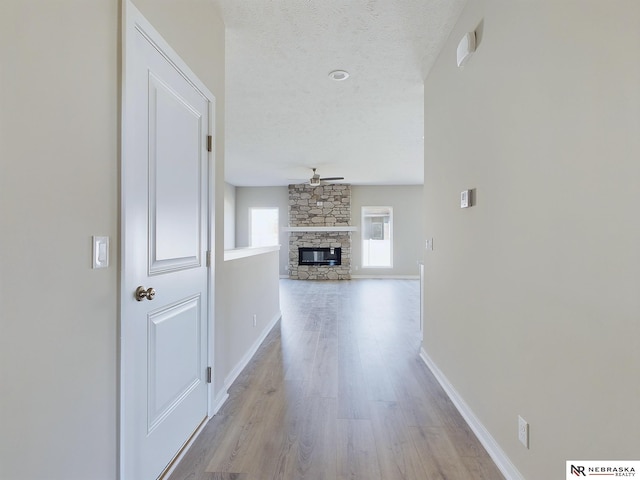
(377, 234)
(263, 227)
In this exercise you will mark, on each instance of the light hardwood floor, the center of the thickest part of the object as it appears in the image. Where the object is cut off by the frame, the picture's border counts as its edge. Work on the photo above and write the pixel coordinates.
(337, 391)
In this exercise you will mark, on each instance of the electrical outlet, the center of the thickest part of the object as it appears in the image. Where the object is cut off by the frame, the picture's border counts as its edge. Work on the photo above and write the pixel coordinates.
(523, 431)
(429, 244)
(255, 320)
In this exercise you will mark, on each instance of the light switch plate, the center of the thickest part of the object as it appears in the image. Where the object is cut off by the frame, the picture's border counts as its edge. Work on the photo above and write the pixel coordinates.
(100, 254)
(523, 431)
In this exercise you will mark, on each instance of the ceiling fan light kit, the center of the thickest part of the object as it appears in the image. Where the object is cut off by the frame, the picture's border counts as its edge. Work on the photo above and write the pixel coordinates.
(315, 180)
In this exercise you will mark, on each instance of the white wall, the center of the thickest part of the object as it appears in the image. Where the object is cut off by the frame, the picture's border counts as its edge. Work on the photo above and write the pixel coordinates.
(257, 197)
(543, 122)
(59, 154)
(229, 216)
(59, 151)
(408, 221)
(254, 289)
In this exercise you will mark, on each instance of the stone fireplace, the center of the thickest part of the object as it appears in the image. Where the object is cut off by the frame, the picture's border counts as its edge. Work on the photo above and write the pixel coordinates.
(320, 219)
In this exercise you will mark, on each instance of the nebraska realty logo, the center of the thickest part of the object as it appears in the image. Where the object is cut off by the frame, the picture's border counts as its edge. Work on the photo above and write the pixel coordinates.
(580, 469)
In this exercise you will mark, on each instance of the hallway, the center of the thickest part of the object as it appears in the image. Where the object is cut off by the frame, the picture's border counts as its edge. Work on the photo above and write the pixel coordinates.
(338, 391)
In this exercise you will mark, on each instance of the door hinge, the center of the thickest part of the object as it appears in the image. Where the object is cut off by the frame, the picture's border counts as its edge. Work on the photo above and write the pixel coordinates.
(209, 374)
(209, 143)
(208, 258)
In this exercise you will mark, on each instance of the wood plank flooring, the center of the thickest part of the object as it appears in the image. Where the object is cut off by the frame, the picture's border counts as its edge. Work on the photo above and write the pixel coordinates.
(337, 391)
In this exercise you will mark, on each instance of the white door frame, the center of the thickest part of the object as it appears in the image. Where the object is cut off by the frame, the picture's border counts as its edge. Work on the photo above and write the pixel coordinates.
(133, 20)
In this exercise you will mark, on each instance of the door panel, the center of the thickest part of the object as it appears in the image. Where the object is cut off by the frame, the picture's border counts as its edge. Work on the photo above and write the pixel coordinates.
(175, 129)
(165, 224)
(174, 363)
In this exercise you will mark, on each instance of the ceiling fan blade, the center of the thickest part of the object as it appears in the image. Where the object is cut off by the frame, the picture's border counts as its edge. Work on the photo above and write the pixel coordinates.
(331, 178)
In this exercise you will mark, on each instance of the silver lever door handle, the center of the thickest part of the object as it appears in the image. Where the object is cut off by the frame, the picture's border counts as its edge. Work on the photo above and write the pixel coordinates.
(141, 293)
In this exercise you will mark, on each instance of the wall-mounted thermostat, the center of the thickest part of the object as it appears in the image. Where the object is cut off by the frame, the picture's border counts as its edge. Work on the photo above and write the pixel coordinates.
(465, 199)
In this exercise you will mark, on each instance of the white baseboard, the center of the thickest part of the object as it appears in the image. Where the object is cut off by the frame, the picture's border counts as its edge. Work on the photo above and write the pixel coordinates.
(393, 277)
(219, 401)
(498, 455)
(250, 353)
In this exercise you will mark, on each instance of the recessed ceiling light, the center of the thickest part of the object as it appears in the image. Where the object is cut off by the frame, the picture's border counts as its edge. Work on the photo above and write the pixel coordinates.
(339, 75)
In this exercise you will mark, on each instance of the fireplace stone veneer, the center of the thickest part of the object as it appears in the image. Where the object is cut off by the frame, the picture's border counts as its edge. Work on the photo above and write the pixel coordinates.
(324, 206)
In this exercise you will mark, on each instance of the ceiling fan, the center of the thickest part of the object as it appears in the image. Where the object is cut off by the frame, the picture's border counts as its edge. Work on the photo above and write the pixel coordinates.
(315, 180)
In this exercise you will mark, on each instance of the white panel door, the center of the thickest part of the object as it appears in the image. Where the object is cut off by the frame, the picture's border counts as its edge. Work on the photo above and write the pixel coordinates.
(166, 121)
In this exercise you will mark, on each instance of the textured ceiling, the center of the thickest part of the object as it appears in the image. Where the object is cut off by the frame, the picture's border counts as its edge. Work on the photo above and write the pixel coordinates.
(283, 113)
